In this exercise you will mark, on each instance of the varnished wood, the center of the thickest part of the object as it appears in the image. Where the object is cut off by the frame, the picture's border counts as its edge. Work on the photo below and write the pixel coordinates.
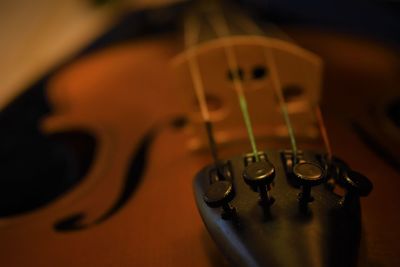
(117, 95)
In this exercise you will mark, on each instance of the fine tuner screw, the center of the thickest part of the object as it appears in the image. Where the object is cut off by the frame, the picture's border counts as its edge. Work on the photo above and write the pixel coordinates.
(259, 176)
(356, 185)
(308, 174)
(219, 194)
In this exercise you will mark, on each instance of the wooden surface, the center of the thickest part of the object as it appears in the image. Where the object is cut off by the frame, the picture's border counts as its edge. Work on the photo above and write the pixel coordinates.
(117, 95)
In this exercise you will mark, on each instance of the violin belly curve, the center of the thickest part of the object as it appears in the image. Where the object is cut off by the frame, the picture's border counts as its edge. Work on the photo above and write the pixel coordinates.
(325, 236)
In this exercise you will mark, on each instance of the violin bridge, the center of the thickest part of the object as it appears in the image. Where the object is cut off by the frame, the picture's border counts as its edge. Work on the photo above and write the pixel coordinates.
(299, 72)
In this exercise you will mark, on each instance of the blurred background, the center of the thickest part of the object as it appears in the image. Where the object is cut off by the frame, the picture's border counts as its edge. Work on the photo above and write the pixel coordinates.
(358, 42)
(37, 35)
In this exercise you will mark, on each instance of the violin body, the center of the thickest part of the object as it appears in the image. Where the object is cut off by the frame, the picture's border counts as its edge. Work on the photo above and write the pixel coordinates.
(118, 215)
(155, 205)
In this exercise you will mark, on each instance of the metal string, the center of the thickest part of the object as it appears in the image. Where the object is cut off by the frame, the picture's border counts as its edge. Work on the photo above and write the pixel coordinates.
(276, 84)
(220, 26)
(191, 36)
(323, 131)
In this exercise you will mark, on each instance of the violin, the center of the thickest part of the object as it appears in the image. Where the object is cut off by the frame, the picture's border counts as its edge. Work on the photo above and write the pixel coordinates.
(218, 130)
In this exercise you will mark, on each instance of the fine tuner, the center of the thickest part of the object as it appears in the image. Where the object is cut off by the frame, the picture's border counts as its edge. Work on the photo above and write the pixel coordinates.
(264, 210)
(260, 175)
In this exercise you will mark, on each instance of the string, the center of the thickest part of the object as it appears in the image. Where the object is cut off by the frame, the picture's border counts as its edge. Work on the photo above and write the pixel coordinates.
(323, 131)
(276, 84)
(191, 35)
(221, 28)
